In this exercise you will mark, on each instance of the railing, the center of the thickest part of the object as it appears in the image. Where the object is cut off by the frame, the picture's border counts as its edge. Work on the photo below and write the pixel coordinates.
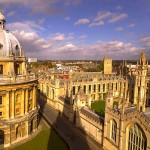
(17, 78)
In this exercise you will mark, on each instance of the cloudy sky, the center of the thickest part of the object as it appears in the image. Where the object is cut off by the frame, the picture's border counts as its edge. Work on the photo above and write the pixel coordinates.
(80, 29)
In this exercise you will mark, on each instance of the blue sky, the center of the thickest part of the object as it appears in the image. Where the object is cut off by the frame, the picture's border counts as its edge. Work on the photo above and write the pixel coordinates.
(80, 29)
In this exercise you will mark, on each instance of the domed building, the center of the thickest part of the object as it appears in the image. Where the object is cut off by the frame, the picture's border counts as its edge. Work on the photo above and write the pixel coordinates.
(18, 108)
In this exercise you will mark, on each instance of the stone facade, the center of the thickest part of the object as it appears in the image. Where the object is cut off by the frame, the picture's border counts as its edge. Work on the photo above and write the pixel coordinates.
(18, 90)
(125, 126)
(107, 65)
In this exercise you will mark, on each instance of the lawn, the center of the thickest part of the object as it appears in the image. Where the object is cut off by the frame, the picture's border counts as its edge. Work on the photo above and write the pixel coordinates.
(99, 107)
(47, 139)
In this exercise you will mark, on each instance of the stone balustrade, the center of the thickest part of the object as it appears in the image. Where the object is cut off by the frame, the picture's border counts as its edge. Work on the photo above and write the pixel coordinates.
(17, 79)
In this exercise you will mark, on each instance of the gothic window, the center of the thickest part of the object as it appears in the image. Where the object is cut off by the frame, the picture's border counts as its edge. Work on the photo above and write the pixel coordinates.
(103, 87)
(1, 46)
(1, 137)
(47, 91)
(136, 139)
(53, 96)
(78, 88)
(1, 69)
(84, 88)
(94, 88)
(1, 102)
(113, 130)
(74, 90)
(89, 88)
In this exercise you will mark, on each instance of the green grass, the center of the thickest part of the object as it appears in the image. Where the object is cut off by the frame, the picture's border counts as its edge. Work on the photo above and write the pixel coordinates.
(99, 107)
(47, 139)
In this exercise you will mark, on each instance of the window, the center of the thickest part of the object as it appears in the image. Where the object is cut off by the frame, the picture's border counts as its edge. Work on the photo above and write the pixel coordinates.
(47, 91)
(84, 88)
(1, 46)
(1, 100)
(73, 90)
(1, 114)
(17, 110)
(113, 130)
(17, 98)
(136, 139)
(94, 88)
(103, 87)
(1, 69)
(89, 88)
(99, 87)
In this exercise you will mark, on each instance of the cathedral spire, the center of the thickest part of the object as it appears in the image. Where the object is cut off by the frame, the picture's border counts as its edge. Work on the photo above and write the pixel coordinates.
(143, 60)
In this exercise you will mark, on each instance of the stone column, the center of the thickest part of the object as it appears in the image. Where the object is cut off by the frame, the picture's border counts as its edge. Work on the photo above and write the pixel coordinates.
(34, 98)
(26, 101)
(7, 104)
(96, 92)
(22, 102)
(87, 89)
(13, 104)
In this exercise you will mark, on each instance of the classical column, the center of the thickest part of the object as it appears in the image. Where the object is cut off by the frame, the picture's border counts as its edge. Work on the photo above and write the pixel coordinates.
(26, 101)
(22, 102)
(7, 104)
(13, 104)
(34, 98)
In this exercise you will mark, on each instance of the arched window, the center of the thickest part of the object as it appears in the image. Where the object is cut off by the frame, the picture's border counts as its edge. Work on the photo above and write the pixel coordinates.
(47, 91)
(113, 130)
(136, 138)
(1, 46)
(1, 69)
(1, 137)
(53, 96)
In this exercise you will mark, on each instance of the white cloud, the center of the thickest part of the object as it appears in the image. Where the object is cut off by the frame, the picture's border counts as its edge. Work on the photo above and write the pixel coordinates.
(36, 6)
(10, 14)
(117, 17)
(82, 36)
(58, 37)
(67, 18)
(145, 41)
(118, 7)
(96, 24)
(131, 25)
(41, 21)
(102, 15)
(119, 29)
(82, 21)
(25, 25)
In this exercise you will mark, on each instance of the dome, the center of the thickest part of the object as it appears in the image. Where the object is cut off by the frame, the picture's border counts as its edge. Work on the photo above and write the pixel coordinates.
(9, 45)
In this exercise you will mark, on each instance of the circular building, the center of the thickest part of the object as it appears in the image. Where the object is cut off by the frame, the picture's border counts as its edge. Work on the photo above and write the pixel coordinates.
(18, 108)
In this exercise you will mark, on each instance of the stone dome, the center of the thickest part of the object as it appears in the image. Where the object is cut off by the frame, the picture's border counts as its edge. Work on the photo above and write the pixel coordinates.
(9, 45)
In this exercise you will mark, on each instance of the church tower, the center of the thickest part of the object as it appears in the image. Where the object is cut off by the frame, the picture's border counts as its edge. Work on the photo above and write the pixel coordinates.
(140, 82)
(107, 65)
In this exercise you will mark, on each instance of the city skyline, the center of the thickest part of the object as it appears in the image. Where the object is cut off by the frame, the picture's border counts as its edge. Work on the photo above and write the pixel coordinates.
(79, 29)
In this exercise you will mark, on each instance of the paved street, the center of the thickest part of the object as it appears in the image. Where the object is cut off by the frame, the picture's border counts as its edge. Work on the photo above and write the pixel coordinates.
(75, 138)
